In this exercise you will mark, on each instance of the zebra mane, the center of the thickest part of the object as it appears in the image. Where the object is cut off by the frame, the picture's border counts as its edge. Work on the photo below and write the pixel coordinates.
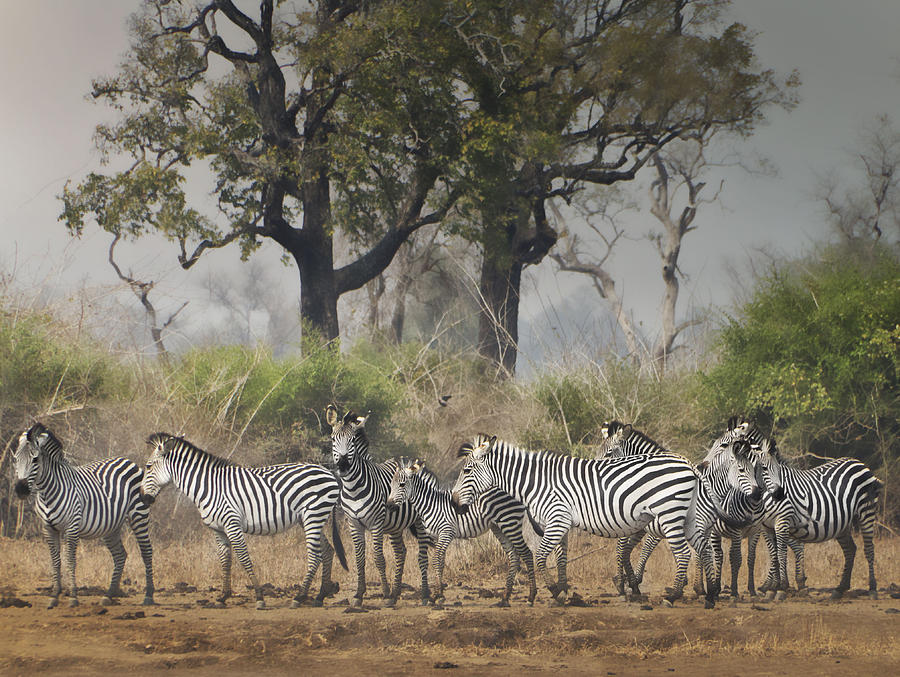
(172, 442)
(636, 435)
(52, 447)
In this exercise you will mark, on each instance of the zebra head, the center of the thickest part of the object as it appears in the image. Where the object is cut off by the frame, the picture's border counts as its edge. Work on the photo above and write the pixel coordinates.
(767, 461)
(614, 435)
(476, 476)
(742, 471)
(34, 443)
(158, 471)
(348, 438)
(403, 475)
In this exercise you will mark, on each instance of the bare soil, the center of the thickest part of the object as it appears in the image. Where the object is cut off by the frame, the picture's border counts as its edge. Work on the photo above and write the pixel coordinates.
(598, 634)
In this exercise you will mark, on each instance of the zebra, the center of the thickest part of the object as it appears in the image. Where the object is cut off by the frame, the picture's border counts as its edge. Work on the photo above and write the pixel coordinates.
(494, 511)
(86, 501)
(613, 498)
(761, 514)
(234, 500)
(365, 485)
(732, 485)
(820, 504)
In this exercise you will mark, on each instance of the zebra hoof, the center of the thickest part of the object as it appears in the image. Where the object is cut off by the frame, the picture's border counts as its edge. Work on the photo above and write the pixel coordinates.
(356, 602)
(502, 603)
(74, 603)
(709, 604)
(780, 596)
(319, 601)
(296, 604)
(53, 603)
(260, 604)
(667, 603)
(837, 594)
(873, 594)
(106, 600)
(390, 602)
(770, 595)
(148, 601)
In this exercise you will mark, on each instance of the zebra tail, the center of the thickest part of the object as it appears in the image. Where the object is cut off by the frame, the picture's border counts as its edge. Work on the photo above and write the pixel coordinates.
(538, 529)
(336, 540)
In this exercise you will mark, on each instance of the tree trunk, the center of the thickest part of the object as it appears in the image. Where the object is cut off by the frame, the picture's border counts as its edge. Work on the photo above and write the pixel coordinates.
(498, 326)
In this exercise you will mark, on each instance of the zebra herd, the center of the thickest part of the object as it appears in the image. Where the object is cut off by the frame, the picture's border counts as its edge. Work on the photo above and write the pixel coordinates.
(632, 490)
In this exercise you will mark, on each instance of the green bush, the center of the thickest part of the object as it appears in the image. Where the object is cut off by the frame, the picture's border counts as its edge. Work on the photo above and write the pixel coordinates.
(40, 363)
(816, 352)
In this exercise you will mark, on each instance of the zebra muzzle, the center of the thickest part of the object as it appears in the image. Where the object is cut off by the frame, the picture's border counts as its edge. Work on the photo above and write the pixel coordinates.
(22, 489)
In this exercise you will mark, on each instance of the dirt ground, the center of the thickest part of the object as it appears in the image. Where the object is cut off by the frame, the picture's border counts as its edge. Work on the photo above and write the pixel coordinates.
(599, 635)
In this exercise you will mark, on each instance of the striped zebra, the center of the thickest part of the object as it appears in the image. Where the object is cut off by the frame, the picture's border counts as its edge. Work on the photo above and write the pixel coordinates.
(730, 486)
(234, 500)
(365, 485)
(612, 498)
(761, 515)
(820, 504)
(86, 501)
(494, 511)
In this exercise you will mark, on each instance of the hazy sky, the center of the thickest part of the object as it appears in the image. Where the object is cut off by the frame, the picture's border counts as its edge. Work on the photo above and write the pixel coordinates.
(847, 54)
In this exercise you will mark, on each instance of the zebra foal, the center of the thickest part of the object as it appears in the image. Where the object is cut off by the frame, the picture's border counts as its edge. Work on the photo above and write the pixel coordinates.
(234, 500)
(494, 511)
(86, 501)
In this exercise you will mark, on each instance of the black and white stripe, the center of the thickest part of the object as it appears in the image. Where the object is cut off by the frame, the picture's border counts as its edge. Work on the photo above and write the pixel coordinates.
(722, 494)
(495, 511)
(234, 500)
(612, 497)
(820, 504)
(365, 485)
(87, 501)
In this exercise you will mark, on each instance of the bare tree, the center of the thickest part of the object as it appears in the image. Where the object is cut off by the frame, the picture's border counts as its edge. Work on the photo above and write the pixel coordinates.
(871, 205)
(674, 194)
(142, 291)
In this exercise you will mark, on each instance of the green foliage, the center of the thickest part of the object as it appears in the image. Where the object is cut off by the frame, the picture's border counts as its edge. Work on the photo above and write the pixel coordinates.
(40, 365)
(817, 350)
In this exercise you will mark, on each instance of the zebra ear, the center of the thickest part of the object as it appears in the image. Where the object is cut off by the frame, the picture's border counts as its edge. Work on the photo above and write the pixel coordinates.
(361, 420)
(331, 415)
(348, 417)
(732, 423)
(464, 450)
(604, 430)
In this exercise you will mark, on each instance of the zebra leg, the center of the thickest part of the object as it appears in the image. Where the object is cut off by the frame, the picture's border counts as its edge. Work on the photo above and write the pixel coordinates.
(223, 549)
(399, 548)
(773, 576)
(797, 548)
(624, 547)
(140, 526)
(239, 545)
(51, 538)
(522, 553)
(562, 562)
(752, 540)
(554, 533)
(647, 548)
(378, 556)
(849, 547)
(315, 545)
(328, 587)
(440, 554)
(119, 555)
(513, 564)
(358, 535)
(867, 529)
(734, 558)
(619, 577)
(71, 549)
(682, 555)
(422, 560)
(781, 540)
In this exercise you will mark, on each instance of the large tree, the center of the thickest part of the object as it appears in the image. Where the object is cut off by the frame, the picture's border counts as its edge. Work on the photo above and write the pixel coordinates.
(292, 116)
(578, 92)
